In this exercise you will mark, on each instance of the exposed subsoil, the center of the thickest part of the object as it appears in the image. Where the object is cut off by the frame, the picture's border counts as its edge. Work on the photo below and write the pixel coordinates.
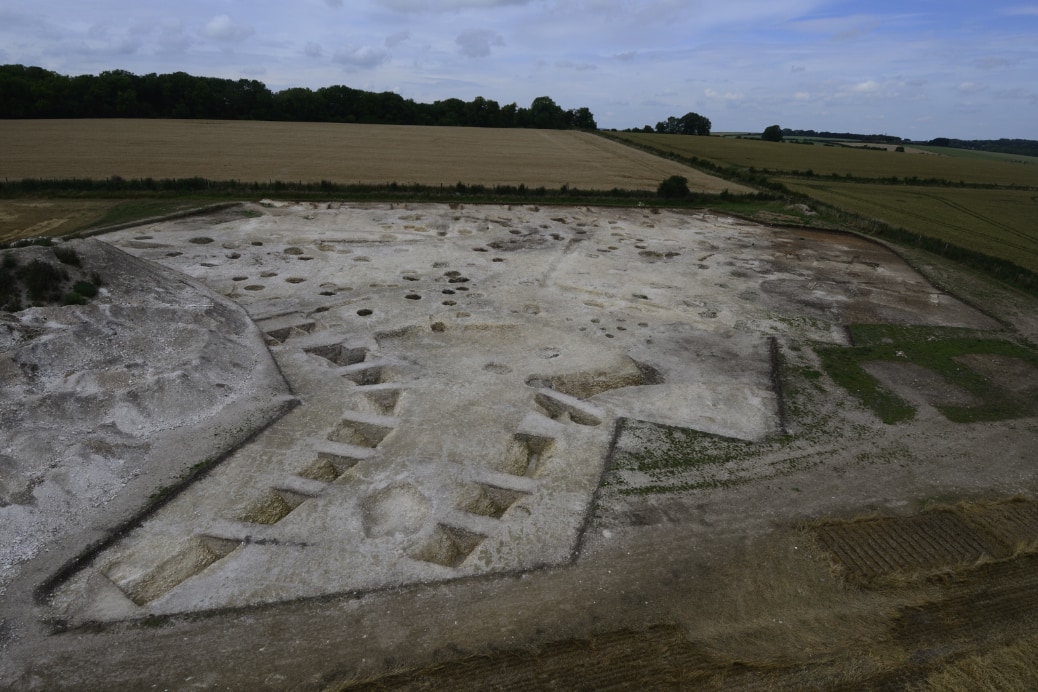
(709, 576)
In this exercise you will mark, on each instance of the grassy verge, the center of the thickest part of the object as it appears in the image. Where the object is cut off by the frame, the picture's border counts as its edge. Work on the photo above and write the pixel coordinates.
(116, 201)
(655, 459)
(133, 210)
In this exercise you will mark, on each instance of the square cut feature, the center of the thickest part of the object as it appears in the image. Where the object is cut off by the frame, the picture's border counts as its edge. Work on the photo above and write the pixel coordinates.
(362, 431)
(448, 546)
(489, 500)
(274, 506)
(340, 354)
(193, 557)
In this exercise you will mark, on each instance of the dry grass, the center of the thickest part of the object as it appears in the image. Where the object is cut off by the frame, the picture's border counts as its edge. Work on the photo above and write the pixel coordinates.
(27, 218)
(311, 152)
(1010, 667)
(778, 615)
(784, 603)
(59, 216)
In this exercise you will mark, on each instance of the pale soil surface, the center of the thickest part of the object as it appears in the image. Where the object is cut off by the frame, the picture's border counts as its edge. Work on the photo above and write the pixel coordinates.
(340, 153)
(481, 390)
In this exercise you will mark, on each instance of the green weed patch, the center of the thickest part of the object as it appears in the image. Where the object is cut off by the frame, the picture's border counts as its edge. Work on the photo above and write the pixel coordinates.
(958, 356)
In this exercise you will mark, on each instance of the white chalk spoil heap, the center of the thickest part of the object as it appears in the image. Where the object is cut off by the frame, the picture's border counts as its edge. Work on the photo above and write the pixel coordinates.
(105, 400)
(460, 372)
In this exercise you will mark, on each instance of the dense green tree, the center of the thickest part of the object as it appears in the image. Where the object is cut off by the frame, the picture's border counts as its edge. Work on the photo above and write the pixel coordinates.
(582, 119)
(674, 187)
(32, 92)
(510, 115)
(545, 114)
(772, 133)
(688, 124)
(483, 112)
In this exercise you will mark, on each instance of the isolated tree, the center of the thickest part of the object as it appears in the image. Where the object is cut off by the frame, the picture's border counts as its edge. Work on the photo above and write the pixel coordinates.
(673, 187)
(695, 124)
(772, 133)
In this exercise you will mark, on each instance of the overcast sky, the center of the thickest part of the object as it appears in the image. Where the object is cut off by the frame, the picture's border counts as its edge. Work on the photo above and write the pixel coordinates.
(912, 68)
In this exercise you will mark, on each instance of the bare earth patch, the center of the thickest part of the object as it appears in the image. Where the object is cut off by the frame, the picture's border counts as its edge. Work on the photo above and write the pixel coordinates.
(919, 385)
(1010, 374)
(565, 431)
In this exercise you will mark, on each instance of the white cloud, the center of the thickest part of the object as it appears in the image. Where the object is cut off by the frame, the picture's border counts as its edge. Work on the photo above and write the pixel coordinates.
(173, 39)
(1018, 94)
(579, 67)
(867, 87)
(364, 57)
(1022, 11)
(737, 62)
(476, 43)
(222, 28)
(726, 96)
(841, 27)
(992, 63)
(394, 40)
(447, 5)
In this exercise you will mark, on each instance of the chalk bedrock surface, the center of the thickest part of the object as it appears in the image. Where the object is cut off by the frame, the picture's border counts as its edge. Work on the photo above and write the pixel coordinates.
(460, 373)
(154, 374)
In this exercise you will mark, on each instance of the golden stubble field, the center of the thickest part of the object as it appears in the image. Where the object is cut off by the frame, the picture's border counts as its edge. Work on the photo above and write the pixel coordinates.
(340, 153)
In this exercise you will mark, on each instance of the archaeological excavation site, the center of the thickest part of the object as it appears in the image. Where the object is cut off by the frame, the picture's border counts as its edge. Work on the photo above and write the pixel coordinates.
(454, 446)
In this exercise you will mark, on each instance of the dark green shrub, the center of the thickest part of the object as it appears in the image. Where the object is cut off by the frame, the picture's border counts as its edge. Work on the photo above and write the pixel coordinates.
(42, 281)
(673, 187)
(8, 283)
(85, 289)
(66, 255)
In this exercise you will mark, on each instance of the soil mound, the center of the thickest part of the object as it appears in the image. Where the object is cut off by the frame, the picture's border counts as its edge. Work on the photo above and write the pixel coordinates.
(130, 385)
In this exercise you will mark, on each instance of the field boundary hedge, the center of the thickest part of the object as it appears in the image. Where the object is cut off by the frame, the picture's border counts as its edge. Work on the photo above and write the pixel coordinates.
(390, 191)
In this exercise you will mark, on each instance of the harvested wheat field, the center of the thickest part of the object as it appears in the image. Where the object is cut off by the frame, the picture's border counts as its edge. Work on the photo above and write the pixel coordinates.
(339, 153)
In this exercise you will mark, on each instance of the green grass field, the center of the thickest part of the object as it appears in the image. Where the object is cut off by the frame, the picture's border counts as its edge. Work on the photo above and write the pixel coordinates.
(979, 155)
(843, 161)
(977, 202)
(999, 223)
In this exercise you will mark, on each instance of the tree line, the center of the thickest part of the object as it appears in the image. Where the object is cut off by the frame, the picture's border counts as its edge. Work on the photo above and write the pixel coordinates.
(688, 124)
(33, 92)
(850, 136)
(1019, 147)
